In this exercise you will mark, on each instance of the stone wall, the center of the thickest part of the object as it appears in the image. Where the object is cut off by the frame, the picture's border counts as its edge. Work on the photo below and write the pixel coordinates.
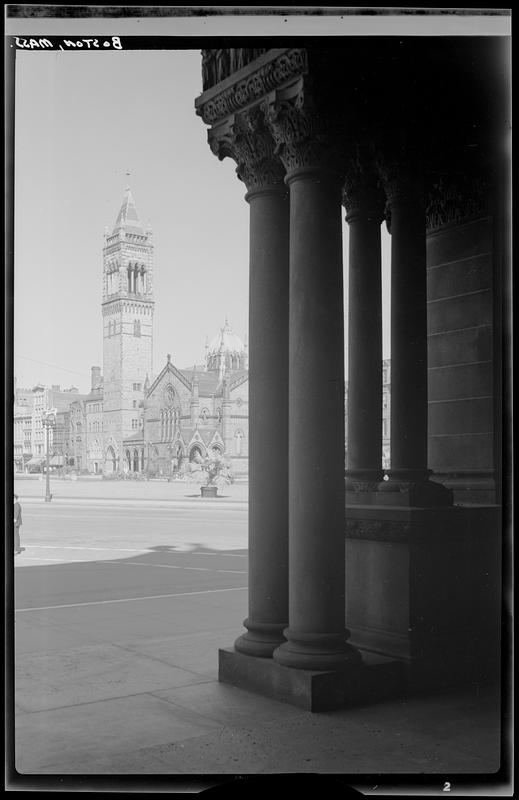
(460, 351)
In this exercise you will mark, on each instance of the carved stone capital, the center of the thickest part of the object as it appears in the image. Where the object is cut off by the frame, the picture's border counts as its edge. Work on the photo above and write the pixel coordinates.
(301, 134)
(361, 194)
(247, 140)
(401, 183)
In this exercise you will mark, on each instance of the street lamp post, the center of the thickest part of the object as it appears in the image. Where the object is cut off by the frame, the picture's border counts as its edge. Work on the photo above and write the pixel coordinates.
(49, 421)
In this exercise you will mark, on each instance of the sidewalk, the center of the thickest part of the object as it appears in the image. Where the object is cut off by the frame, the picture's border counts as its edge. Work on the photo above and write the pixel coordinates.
(89, 705)
(32, 490)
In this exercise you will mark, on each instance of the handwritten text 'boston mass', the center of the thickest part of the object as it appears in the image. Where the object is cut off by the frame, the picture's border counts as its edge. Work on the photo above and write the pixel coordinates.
(114, 42)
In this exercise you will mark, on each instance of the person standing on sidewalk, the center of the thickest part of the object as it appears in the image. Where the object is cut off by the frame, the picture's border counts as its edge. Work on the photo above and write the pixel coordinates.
(17, 523)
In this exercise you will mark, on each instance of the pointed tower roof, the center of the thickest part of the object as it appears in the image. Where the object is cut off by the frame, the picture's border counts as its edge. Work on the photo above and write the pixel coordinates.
(128, 217)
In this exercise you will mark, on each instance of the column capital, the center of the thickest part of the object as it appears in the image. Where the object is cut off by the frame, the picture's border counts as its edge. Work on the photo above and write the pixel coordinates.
(401, 176)
(361, 192)
(245, 138)
(302, 136)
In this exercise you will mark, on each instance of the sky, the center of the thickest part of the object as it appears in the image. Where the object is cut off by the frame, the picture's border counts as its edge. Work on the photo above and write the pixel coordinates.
(83, 120)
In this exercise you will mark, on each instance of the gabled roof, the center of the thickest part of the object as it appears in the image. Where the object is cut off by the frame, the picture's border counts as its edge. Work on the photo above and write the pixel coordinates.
(207, 381)
(169, 368)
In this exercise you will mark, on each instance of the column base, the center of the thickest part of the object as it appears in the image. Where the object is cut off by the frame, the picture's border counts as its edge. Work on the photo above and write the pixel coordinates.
(374, 679)
(361, 485)
(409, 489)
(261, 639)
(317, 651)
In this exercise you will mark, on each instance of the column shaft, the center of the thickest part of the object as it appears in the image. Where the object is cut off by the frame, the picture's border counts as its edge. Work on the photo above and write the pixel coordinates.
(316, 634)
(364, 348)
(268, 422)
(408, 339)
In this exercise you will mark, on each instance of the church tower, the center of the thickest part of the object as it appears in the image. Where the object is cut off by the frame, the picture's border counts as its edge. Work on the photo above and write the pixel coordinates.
(127, 309)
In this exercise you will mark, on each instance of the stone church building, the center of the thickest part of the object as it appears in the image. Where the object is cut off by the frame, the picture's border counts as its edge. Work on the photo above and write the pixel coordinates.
(189, 413)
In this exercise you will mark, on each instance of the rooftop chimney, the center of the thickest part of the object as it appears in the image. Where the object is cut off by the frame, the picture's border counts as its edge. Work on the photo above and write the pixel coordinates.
(96, 377)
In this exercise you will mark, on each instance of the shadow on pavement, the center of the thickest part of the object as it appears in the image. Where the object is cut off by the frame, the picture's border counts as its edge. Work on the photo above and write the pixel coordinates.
(163, 569)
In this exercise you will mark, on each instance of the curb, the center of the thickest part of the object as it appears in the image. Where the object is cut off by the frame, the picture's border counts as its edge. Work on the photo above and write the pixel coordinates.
(101, 502)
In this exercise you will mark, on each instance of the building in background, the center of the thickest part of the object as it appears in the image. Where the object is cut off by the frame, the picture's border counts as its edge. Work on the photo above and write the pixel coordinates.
(189, 413)
(22, 428)
(30, 439)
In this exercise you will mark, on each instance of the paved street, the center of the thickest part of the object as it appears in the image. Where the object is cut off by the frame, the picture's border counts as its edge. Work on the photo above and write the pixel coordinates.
(91, 572)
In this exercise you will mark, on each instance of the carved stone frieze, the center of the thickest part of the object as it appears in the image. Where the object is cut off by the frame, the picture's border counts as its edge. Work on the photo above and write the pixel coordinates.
(254, 87)
(249, 143)
(219, 64)
(379, 530)
(361, 486)
(462, 198)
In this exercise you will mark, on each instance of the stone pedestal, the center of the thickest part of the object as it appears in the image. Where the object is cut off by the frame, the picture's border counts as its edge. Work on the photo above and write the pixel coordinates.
(377, 678)
(423, 586)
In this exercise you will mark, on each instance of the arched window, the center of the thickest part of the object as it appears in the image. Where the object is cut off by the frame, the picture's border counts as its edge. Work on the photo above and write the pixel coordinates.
(137, 327)
(162, 426)
(135, 461)
(129, 460)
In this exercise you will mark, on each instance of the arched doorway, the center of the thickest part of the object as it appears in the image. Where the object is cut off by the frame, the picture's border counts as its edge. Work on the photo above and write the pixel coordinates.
(195, 454)
(135, 460)
(110, 460)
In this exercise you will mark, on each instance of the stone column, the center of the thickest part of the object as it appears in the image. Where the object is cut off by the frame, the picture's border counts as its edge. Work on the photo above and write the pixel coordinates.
(316, 636)
(406, 221)
(364, 213)
(250, 144)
